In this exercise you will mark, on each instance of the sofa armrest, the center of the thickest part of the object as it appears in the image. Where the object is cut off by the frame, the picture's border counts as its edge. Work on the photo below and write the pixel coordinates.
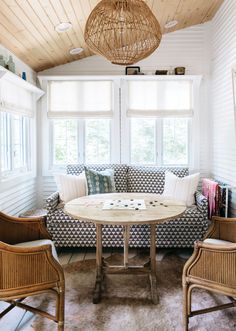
(202, 204)
(52, 202)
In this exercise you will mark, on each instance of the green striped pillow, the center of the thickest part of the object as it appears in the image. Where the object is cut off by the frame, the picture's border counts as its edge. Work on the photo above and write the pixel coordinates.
(100, 181)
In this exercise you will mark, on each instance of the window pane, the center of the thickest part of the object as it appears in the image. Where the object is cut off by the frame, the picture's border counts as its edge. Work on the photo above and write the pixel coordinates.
(80, 96)
(160, 95)
(15, 146)
(26, 142)
(17, 143)
(175, 141)
(65, 142)
(97, 141)
(142, 141)
(5, 139)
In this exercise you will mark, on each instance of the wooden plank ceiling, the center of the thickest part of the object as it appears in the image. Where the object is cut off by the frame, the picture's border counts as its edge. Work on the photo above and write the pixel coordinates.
(27, 27)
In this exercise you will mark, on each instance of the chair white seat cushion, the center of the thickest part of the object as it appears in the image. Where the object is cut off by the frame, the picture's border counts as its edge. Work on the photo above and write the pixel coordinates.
(40, 242)
(217, 241)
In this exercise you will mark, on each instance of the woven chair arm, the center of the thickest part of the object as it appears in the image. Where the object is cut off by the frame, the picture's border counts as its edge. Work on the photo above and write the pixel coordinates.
(212, 263)
(202, 204)
(222, 228)
(14, 230)
(28, 267)
(52, 202)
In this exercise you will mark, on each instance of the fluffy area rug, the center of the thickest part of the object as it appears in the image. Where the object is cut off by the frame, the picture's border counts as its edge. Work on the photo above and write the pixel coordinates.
(126, 304)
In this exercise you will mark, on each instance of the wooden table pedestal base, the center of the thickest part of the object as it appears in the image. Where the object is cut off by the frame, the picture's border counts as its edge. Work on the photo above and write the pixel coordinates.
(103, 268)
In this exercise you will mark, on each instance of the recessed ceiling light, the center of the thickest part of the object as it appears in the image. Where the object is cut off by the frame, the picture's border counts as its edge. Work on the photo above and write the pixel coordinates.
(171, 24)
(76, 51)
(63, 27)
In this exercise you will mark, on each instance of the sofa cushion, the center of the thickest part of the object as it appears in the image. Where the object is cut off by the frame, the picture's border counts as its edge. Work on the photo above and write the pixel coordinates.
(70, 186)
(182, 189)
(120, 173)
(150, 179)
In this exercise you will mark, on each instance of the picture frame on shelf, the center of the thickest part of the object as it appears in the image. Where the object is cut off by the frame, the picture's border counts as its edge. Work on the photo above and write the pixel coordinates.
(132, 70)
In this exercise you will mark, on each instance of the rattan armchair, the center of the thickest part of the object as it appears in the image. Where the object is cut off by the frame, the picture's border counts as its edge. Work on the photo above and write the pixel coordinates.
(212, 266)
(26, 271)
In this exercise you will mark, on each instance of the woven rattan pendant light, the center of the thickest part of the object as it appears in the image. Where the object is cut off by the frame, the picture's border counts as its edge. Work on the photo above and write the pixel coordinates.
(123, 31)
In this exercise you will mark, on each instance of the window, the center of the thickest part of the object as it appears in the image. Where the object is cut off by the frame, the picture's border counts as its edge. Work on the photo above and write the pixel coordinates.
(175, 141)
(81, 141)
(15, 144)
(159, 113)
(97, 141)
(81, 114)
(5, 140)
(17, 104)
(65, 141)
(128, 120)
(143, 141)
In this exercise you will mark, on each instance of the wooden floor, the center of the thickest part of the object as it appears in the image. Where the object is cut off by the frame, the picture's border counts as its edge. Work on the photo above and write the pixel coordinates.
(18, 319)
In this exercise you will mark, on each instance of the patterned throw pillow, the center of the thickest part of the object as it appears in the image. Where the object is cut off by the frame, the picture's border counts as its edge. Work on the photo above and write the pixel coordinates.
(100, 181)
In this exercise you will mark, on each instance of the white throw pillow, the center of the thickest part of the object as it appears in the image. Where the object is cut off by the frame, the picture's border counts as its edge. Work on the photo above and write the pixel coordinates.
(71, 186)
(182, 189)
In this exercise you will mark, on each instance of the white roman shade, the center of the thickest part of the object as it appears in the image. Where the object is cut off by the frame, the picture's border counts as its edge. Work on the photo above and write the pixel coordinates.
(160, 98)
(80, 99)
(16, 99)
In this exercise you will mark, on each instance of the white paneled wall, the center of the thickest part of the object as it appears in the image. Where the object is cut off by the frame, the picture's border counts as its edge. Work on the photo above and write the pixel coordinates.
(223, 139)
(19, 198)
(188, 47)
(19, 194)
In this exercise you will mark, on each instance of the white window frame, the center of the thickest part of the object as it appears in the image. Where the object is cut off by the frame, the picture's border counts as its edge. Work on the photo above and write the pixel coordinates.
(193, 130)
(189, 124)
(48, 168)
(25, 145)
(120, 124)
(81, 134)
(159, 145)
(51, 144)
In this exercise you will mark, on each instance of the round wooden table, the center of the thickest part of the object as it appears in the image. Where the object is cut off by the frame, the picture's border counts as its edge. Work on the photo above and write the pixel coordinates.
(125, 209)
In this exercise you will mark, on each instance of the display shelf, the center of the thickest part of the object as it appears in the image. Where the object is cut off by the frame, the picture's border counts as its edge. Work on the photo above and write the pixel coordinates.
(13, 78)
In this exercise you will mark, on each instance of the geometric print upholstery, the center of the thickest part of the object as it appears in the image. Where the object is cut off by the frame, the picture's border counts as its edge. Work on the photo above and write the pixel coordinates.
(150, 179)
(120, 173)
(202, 204)
(182, 232)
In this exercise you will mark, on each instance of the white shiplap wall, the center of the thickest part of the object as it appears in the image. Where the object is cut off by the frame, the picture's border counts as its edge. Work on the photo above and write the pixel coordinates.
(19, 194)
(18, 198)
(223, 58)
(188, 47)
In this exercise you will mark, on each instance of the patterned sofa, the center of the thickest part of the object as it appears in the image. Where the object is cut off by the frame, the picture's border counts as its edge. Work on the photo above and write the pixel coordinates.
(68, 232)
